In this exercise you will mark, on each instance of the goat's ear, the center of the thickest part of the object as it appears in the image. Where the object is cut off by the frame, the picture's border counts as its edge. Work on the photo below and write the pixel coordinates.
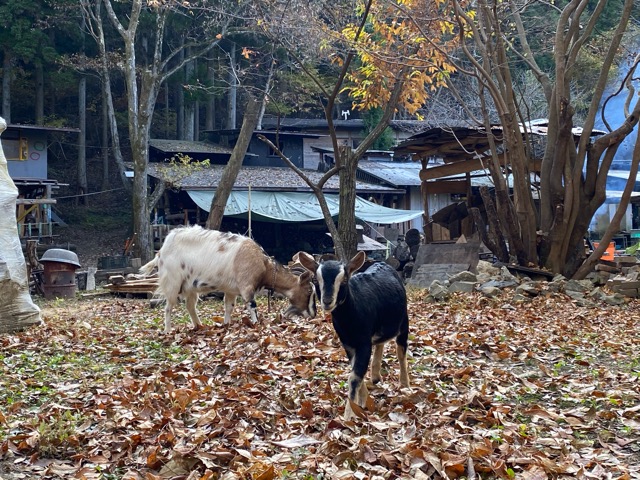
(307, 261)
(305, 277)
(356, 262)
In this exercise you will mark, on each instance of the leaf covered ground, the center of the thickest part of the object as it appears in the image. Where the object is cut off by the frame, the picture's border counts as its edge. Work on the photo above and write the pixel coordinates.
(537, 390)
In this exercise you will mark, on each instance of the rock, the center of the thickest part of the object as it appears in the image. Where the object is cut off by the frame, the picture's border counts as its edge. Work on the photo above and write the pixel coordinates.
(490, 291)
(483, 278)
(466, 287)
(506, 276)
(615, 299)
(557, 285)
(575, 295)
(500, 283)
(529, 289)
(578, 286)
(519, 298)
(463, 277)
(486, 267)
(438, 291)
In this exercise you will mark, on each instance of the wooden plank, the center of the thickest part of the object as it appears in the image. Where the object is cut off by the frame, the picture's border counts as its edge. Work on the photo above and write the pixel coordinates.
(466, 166)
(36, 201)
(530, 271)
(447, 186)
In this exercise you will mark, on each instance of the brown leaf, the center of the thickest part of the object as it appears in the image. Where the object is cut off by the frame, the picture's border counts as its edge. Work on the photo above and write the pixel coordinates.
(297, 441)
(306, 409)
(535, 472)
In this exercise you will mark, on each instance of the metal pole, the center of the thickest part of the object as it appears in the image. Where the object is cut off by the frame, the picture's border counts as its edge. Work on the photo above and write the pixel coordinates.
(249, 204)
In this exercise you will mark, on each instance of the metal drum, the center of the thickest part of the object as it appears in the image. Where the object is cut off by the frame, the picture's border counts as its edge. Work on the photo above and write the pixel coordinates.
(59, 277)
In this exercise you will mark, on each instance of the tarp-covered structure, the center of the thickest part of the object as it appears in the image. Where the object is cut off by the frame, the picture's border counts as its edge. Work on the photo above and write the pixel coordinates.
(297, 207)
(17, 310)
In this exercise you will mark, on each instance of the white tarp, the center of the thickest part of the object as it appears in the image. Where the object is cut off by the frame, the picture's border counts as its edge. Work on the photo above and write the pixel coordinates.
(298, 206)
(17, 310)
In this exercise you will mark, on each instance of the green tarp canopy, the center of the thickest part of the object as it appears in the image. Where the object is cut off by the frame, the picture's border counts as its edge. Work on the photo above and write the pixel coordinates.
(297, 207)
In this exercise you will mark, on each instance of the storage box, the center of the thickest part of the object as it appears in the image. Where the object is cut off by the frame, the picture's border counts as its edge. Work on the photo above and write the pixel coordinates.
(116, 261)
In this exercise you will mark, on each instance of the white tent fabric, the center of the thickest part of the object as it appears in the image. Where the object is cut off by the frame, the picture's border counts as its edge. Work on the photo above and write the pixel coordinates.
(298, 206)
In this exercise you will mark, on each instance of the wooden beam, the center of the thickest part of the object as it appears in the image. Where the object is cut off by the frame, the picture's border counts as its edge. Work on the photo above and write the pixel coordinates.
(448, 186)
(35, 201)
(468, 166)
(448, 169)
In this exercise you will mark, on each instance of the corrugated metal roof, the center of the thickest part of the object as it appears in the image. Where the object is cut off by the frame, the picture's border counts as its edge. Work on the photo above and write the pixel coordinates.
(398, 174)
(456, 143)
(187, 146)
(258, 178)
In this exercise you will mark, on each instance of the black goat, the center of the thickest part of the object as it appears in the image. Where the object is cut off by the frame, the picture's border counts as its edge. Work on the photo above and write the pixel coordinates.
(368, 308)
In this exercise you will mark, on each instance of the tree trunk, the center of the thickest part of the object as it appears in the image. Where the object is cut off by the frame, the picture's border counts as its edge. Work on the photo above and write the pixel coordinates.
(83, 188)
(347, 245)
(496, 242)
(180, 111)
(7, 73)
(233, 90)
(230, 173)
(39, 93)
(210, 107)
(614, 225)
(267, 89)
(189, 108)
(104, 143)
(141, 220)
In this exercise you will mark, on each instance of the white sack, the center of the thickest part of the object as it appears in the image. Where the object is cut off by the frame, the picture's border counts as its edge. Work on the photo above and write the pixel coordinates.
(17, 310)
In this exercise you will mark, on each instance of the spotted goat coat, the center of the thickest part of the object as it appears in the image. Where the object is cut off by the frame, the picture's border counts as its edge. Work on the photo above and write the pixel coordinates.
(194, 260)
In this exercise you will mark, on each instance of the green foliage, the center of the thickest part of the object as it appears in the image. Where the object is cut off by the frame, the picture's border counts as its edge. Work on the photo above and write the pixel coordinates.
(371, 117)
(181, 166)
(295, 92)
(58, 432)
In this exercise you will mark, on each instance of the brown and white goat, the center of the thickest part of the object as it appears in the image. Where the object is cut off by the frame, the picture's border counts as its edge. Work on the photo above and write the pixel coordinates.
(368, 308)
(194, 260)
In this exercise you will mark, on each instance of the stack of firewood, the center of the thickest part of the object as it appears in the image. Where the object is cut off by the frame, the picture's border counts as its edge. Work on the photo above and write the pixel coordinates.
(132, 283)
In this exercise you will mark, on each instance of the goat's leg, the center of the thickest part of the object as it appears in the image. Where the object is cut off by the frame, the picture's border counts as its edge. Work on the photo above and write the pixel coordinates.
(191, 301)
(377, 362)
(170, 302)
(361, 358)
(357, 389)
(401, 351)
(249, 298)
(229, 302)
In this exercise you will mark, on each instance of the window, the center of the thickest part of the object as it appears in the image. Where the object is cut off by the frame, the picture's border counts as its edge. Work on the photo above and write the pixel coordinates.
(16, 149)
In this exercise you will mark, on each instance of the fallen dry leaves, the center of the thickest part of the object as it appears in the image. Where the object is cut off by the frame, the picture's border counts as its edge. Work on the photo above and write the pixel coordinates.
(534, 391)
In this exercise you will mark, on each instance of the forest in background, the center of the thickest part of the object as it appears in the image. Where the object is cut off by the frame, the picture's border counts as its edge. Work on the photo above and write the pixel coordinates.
(124, 72)
(47, 52)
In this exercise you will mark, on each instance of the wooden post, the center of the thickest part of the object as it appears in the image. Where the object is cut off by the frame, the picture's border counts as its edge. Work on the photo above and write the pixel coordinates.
(32, 256)
(427, 226)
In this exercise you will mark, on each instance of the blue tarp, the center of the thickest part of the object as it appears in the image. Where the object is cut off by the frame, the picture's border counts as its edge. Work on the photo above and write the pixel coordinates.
(298, 207)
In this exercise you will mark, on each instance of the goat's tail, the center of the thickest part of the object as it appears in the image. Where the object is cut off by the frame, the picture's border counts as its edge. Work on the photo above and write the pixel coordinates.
(147, 268)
